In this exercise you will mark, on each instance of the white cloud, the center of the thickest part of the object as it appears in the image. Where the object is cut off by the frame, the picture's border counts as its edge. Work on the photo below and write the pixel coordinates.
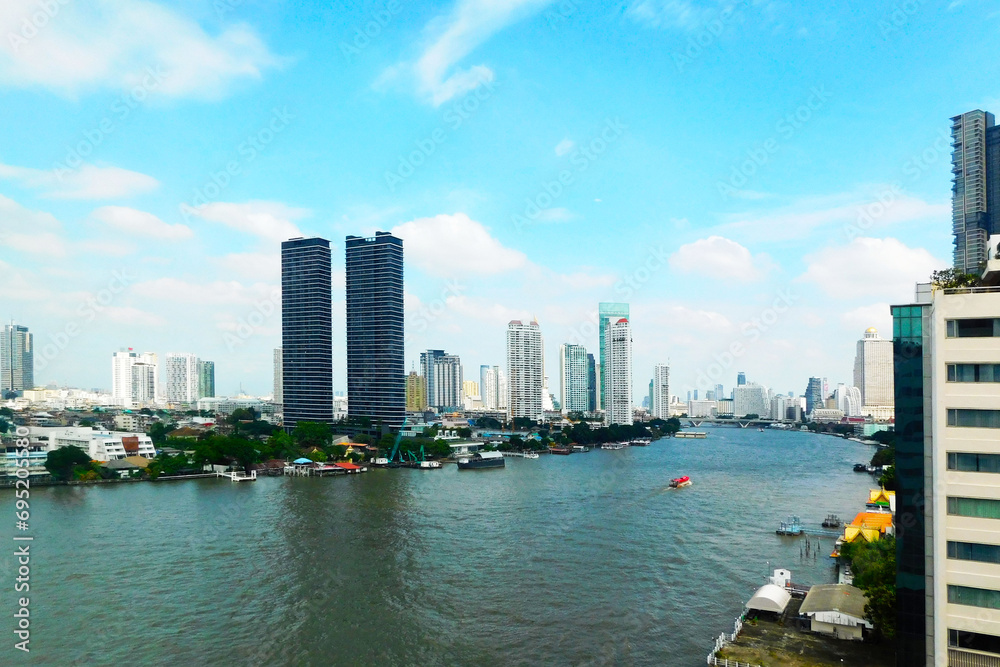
(555, 214)
(564, 146)
(466, 244)
(261, 266)
(37, 243)
(845, 215)
(13, 216)
(876, 315)
(870, 268)
(141, 223)
(682, 14)
(219, 293)
(268, 220)
(455, 36)
(87, 182)
(718, 257)
(117, 43)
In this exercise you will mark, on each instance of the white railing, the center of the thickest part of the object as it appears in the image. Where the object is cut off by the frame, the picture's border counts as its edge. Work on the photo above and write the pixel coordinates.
(724, 640)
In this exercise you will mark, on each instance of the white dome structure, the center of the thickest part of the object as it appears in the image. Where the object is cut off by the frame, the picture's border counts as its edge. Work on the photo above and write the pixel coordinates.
(769, 598)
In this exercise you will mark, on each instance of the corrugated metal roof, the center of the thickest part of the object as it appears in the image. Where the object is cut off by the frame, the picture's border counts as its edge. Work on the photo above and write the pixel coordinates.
(842, 598)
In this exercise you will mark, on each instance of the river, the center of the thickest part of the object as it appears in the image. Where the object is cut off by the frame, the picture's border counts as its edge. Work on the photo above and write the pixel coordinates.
(566, 560)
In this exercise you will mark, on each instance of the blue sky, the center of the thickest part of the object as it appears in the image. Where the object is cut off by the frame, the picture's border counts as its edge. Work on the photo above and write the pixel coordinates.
(756, 177)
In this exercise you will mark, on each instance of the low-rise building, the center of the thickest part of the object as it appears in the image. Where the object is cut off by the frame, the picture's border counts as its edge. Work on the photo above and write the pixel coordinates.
(837, 610)
(99, 445)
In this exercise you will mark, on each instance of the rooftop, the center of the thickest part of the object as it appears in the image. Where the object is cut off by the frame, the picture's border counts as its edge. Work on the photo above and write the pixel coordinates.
(842, 598)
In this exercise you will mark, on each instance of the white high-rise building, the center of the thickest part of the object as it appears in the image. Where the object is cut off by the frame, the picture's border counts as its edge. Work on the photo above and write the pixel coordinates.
(121, 377)
(143, 383)
(873, 373)
(618, 371)
(182, 378)
(573, 380)
(525, 370)
(660, 398)
(848, 400)
(503, 389)
(17, 365)
(751, 399)
(489, 387)
(278, 375)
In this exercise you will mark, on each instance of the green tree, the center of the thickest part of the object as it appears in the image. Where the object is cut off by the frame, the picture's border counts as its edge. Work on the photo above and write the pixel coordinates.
(885, 456)
(241, 414)
(158, 432)
(4, 426)
(6, 412)
(312, 434)
(61, 462)
(86, 422)
(464, 432)
(874, 567)
(888, 479)
(319, 456)
(951, 278)
(516, 442)
(488, 422)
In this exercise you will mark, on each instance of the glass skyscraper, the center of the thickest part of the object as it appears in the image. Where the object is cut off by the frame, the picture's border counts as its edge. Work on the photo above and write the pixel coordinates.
(975, 202)
(376, 377)
(306, 331)
(910, 369)
(607, 311)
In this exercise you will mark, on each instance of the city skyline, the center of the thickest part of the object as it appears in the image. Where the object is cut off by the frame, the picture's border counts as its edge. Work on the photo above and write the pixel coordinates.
(790, 202)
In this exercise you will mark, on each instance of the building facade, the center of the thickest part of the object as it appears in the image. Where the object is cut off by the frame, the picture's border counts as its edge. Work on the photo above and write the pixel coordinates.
(873, 373)
(488, 386)
(814, 394)
(17, 359)
(276, 394)
(573, 378)
(593, 384)
(607, 311)
(525, 372)
(947, 404)
(659, 397)
(376, 375)
(618, 372)
(751, 399)
(206, 379)
(306, 331)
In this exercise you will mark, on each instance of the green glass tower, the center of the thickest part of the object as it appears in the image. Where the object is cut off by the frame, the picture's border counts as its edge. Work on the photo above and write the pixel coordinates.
(606, 311)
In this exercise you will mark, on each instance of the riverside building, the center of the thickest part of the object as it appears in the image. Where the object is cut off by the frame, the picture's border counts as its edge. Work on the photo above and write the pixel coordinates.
(947, 405)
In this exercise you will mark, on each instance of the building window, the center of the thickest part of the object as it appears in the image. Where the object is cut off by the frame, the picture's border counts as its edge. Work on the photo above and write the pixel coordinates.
(974, 418)
(981, 553)
(980, 328)
(974, 597)
(973, 372)
(966, 462)
(979, 508)
(973, 641)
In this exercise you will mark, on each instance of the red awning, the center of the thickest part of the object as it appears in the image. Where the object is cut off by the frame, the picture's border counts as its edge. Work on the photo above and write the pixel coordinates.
(348, 466)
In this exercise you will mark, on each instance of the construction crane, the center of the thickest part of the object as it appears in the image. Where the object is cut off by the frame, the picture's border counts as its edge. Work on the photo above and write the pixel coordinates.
(395, 447)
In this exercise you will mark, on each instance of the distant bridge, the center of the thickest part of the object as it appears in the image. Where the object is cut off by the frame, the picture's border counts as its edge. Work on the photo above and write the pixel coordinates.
(742, 423)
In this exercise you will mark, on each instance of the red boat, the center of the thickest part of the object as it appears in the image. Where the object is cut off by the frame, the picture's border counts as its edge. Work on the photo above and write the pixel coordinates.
(680, 482)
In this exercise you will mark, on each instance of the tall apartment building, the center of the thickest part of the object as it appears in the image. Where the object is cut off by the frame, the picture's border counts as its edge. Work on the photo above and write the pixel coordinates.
(17, 359)
(593, 384)
(607, 311)
(618, 372)
(206, 379)
(814, 395)
(306, 331)
(134, 388)
(573, 378)
(182, 377)
(525, 372)
(376, 375)
(489, 386)
(659, 393)
(873, 375)
(975, 204)
(416, 392)
(443, 375)
(947, 407)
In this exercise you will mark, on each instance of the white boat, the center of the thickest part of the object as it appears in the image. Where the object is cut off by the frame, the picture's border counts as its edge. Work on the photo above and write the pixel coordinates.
(430, 465)
(530, 455)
